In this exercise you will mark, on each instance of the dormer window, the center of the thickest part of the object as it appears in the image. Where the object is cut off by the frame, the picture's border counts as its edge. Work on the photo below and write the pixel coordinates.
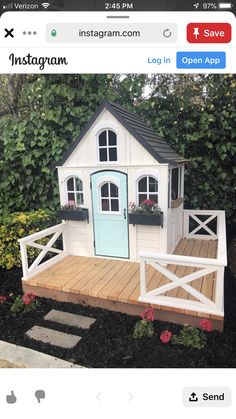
(107, 146)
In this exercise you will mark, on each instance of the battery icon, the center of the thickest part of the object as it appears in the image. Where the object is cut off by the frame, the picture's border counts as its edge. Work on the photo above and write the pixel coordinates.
(225, 5)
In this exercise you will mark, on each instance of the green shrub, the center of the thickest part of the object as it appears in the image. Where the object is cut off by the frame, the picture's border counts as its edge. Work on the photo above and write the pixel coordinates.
(190, 337)
(143, 328)
(15, 226)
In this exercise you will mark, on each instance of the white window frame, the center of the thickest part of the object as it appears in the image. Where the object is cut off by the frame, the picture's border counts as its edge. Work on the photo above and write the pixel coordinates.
(147, 175)
(108, 162)
(100, 197)
(75, 192)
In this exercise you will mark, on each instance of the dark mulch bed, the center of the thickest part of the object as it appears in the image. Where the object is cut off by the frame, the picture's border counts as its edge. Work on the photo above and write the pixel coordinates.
(109, 342)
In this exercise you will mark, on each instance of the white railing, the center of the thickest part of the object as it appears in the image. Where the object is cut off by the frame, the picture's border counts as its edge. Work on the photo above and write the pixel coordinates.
(30, 241)
(201, 267)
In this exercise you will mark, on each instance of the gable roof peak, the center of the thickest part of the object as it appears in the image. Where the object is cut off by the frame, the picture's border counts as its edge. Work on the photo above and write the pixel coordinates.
(157, 146)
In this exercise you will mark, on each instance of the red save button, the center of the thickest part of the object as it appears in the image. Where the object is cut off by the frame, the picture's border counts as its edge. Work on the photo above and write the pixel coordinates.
(209, 33)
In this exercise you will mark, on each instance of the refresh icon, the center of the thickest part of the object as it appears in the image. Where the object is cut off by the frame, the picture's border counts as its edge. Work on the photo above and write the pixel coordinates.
(167, 33)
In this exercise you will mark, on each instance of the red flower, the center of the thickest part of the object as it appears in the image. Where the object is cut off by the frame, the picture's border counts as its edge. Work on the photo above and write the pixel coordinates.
(28, 298)
(2, 299)
(148, 314)
(148, 202)
(165, 336)
(206, 325)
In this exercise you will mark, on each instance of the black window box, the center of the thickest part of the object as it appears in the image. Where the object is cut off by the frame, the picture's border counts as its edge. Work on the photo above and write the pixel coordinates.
(146, 219)
(74, 215)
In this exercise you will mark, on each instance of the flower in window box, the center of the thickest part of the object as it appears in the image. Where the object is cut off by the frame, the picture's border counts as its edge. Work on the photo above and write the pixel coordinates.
(146, 207)
(72, 206)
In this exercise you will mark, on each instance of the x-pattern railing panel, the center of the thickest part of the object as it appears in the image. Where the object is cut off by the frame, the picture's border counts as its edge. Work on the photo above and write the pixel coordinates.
(181, 282)
(45, 249)
(203, 225)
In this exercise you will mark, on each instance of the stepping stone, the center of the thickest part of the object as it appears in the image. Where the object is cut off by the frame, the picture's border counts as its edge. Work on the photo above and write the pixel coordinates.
(61, 339)
(69, 319)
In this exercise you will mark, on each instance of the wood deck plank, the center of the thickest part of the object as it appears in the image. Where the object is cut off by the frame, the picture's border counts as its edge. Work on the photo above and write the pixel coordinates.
(106, 290)
(64, 276)
(83, 279)
(108, 269)
(114, 293)
(104, 281)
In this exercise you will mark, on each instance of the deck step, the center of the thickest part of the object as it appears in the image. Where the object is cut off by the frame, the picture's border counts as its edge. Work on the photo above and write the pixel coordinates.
(53, 337)
(69, 319)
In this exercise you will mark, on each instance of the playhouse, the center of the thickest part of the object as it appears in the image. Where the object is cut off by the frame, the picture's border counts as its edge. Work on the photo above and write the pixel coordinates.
(119, 159)
(171, 258)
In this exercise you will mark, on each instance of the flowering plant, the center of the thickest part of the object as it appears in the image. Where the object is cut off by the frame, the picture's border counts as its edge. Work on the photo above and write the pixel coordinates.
(165, 336)
(2, 299)
(206, 325)
(146, 207)
(148, 314)
(26, 303)
(71, 205)
(145, 326)
(190, 337)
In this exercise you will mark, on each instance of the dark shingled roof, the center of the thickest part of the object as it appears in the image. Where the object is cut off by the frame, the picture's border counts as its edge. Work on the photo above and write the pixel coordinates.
(140, 130)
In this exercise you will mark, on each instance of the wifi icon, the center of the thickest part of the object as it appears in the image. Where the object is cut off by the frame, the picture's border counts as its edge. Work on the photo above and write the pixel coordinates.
(45, 5)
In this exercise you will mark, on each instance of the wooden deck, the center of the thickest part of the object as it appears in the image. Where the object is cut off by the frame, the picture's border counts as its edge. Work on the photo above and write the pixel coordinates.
(115, 284)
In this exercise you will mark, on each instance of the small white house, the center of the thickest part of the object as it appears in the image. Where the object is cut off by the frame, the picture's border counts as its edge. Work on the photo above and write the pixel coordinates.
(119, 158)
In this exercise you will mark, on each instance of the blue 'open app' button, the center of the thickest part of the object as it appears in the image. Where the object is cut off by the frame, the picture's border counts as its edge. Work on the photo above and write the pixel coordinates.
(195, 59)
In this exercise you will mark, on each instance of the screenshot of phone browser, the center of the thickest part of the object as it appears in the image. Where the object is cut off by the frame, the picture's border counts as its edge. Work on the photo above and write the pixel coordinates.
(117, 209)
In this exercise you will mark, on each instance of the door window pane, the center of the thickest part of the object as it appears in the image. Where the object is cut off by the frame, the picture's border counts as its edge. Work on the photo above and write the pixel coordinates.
(105, 205)
(114, 205)
(114, 190)
(104, 190)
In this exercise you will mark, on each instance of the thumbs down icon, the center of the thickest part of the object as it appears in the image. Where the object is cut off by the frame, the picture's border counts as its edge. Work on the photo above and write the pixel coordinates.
(39, 394)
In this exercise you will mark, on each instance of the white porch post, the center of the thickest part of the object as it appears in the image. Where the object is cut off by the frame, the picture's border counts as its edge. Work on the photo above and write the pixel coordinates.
(24, 260)
(219, 292)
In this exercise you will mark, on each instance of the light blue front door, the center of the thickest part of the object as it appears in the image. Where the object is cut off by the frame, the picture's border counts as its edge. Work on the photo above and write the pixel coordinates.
(109, 194)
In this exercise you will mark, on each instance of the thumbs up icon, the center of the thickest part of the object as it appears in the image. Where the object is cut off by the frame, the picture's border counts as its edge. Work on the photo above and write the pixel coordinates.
(11, 398)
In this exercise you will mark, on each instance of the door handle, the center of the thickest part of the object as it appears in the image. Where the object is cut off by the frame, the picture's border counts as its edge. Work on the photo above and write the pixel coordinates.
(125, 213)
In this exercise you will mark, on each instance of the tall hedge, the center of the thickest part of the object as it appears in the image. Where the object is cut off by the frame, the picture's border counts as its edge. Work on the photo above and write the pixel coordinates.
(196, 114)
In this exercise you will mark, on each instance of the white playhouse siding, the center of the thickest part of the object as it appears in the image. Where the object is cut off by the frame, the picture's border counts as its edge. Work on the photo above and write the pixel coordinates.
(135, 161)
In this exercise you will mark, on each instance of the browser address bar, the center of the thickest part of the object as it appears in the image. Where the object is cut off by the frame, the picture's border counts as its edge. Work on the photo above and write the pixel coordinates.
(111, 33)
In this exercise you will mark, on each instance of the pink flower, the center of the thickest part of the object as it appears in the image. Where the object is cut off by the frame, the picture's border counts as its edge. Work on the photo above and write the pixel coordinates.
(206, 325)
(71, 203)
(148, 314)
(132, 206)
(28, 298)
(2, 299)
(148, 202)
(165, 336)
